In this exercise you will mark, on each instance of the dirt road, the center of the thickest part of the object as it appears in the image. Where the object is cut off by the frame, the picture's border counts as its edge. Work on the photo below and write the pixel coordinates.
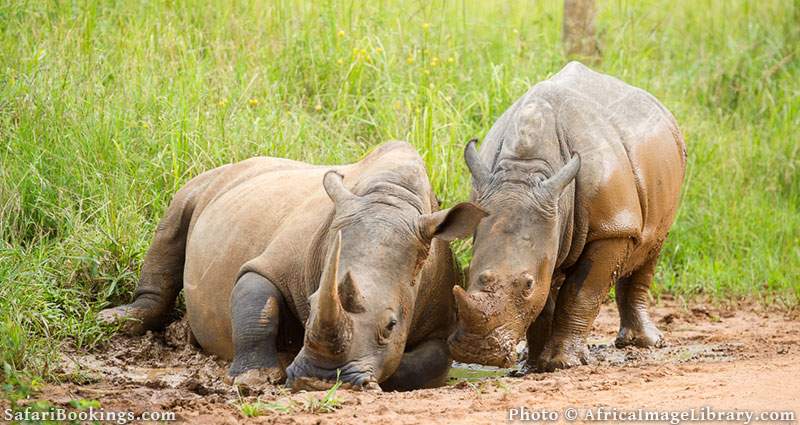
(744, 358)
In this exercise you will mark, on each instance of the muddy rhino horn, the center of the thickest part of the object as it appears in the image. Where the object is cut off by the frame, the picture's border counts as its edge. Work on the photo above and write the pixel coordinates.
(564, 176)
(480, 172)
(467, 312)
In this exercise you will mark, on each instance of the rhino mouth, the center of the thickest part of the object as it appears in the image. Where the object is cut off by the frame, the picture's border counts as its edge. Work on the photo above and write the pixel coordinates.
(303, 374)
(497, 348)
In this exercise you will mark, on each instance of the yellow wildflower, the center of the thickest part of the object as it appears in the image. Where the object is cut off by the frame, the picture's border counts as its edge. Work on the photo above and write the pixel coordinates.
(340, 33)
(426, 26)
(222, 103)
(253, 102)
(318, 107)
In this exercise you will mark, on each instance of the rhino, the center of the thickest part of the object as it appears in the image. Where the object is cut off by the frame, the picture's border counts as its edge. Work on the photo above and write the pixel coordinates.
(581, 178)
(345, 271)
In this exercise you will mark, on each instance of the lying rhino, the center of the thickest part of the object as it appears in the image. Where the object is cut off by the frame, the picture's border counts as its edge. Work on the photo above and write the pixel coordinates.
(271, 252)
(546, 256)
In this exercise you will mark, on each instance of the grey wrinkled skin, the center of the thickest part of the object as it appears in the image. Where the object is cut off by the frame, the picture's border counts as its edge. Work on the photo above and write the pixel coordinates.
(347, 269)
(581, 178)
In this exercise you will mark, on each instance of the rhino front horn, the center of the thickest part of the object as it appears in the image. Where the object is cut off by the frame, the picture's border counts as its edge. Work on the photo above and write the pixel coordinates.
(331, 325)
(467, 312)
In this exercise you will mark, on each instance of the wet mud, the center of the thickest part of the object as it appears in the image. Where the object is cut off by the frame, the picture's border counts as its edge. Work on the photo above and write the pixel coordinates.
(741, 356)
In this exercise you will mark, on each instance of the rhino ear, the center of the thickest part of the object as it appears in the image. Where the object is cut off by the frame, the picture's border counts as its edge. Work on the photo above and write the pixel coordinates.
(564, 176)
(451, 224)
(333, 182)
(480, 172)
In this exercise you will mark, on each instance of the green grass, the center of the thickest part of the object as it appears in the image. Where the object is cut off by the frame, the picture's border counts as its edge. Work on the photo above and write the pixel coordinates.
(328, 402)
(108, 107)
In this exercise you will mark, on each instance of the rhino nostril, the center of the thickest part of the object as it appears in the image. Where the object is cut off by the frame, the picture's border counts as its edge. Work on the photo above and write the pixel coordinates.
(527, 281)
(486, 277)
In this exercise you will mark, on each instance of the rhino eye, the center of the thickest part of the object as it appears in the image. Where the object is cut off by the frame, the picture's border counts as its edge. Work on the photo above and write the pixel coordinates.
(385, 332)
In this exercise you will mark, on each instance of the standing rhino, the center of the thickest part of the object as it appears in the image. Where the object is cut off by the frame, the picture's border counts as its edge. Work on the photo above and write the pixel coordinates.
(271, 252)
(548, 252)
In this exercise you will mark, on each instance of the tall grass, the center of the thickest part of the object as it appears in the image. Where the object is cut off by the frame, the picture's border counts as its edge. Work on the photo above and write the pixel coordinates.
(108, 107)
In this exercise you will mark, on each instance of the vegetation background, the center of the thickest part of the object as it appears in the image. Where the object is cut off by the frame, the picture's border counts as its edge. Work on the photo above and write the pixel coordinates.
(108, 107)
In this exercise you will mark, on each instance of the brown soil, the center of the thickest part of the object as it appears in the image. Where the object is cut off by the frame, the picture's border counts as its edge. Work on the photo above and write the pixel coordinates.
(743, 357)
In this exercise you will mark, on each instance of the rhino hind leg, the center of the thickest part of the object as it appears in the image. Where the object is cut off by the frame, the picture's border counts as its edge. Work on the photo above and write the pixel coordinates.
(162, 272)
(255, 314)
(424, 366)
(579, 299)
(636, 328)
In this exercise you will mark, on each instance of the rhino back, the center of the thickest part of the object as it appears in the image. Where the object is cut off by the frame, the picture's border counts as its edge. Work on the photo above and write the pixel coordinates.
(238, 222)
(653, 146)
(633, 155)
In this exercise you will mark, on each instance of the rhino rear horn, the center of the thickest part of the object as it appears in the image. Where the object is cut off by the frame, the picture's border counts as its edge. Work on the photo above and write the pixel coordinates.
(563, 177)
(480, 172)
(352, 300)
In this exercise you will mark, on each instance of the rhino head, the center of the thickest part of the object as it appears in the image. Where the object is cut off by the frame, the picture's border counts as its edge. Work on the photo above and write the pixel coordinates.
(360, 316)
(515, 253)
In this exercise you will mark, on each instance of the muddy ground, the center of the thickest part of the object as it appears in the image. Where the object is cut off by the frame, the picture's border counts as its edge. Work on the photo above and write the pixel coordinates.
(741, 357)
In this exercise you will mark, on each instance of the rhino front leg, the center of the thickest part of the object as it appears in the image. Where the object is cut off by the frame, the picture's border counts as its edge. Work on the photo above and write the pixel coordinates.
(255, 314)
(636, 327)
(538, 334)
(586, 286)
(425, 366)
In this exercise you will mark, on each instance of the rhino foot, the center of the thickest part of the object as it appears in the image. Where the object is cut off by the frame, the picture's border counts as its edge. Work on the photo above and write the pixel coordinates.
(131, 318)
(256, 379)
(644, 337)
(526, 369)
(562, 358)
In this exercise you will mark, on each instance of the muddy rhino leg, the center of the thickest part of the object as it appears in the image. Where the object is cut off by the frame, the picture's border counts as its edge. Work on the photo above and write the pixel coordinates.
(586, 286)
(255, 314)
(636, 327)
(425, 366)
(162, 272)
(538, 334)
